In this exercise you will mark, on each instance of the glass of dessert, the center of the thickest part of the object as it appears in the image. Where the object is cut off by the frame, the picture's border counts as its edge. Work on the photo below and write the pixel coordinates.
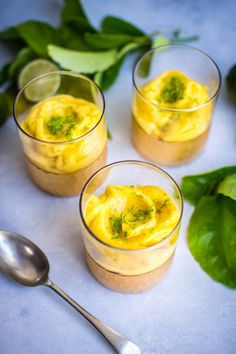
(61, 123)
(130, 224)
(175, 91)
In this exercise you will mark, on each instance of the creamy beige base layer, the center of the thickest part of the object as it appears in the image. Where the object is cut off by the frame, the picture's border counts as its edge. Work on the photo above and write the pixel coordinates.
(127, 283)
(163, 152)
(64, 184)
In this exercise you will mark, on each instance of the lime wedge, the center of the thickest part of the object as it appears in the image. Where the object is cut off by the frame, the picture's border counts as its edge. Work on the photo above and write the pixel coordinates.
(43, 87)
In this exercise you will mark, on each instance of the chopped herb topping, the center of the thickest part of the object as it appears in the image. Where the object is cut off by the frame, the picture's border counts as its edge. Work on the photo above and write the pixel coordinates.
(116, 225)
(141, 214)
(173, 91)
(62, 126)
(166, 202)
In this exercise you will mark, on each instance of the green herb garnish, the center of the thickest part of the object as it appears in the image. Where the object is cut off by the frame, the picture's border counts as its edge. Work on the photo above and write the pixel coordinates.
(173, 91)
(212, 228)
(166, 202)
(62, 126)
(116, 223)
(141, 214)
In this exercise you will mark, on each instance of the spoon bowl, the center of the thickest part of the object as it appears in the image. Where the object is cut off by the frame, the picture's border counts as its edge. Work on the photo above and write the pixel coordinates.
(26, 263)
(22, 260)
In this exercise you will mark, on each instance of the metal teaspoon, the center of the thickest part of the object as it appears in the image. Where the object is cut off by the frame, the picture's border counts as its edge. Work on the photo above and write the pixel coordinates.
(26, 263)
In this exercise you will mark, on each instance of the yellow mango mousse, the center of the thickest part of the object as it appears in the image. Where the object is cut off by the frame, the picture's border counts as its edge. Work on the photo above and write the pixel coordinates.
(61, 119)
(172, 90)
(131, 217)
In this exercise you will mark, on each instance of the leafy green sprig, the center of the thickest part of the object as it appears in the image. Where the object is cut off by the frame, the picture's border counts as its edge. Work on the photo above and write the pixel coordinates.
(116, 222)
(173, 91)
(62, 126)
(212, 228)
(75, 45)
(141, 215)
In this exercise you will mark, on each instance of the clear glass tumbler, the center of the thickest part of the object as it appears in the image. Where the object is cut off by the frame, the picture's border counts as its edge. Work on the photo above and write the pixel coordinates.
(173, 135)
(129, 270)
(61, 168)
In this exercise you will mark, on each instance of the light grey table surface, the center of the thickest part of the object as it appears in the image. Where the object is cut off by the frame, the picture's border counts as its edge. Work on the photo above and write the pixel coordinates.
(187, 312)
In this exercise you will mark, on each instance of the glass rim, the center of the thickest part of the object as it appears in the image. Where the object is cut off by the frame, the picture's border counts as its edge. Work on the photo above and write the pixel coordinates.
(58, 72)
(182, 46)
(135, 162)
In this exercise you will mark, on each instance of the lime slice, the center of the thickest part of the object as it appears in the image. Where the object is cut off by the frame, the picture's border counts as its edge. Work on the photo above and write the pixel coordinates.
(43, 87)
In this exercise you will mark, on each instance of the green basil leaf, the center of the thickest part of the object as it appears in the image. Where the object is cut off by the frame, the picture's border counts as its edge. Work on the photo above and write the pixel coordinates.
(116, 25)
(84, 62)
(107, 40)
(38, 35)
(206, 235)
(74, 15)
(196, 186)
(228, 186)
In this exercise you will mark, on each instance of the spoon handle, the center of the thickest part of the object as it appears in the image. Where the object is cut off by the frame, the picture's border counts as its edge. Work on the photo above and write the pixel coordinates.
(119, 342)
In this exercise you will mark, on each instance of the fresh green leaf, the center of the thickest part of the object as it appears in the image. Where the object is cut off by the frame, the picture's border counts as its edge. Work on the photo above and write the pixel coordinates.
(80, 26)
(98, 78)
(109, 136)
(208, 232)
(127, 49)
(38, 35)
(108, 77)
(23, 57)
(11, 69)
(74, 16)
(231, 83)
(116, 25)
(111, 74)
(228, 220)
(72, 9)
(145, 66)
(73, 40)
(5, 107)
(228, 186)
(177, 32)
(10, 34)
(160, 41)
(84, 62)
(107, 40)
(177, 40)
(12, 39)
(4, 74)
(196, 186)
